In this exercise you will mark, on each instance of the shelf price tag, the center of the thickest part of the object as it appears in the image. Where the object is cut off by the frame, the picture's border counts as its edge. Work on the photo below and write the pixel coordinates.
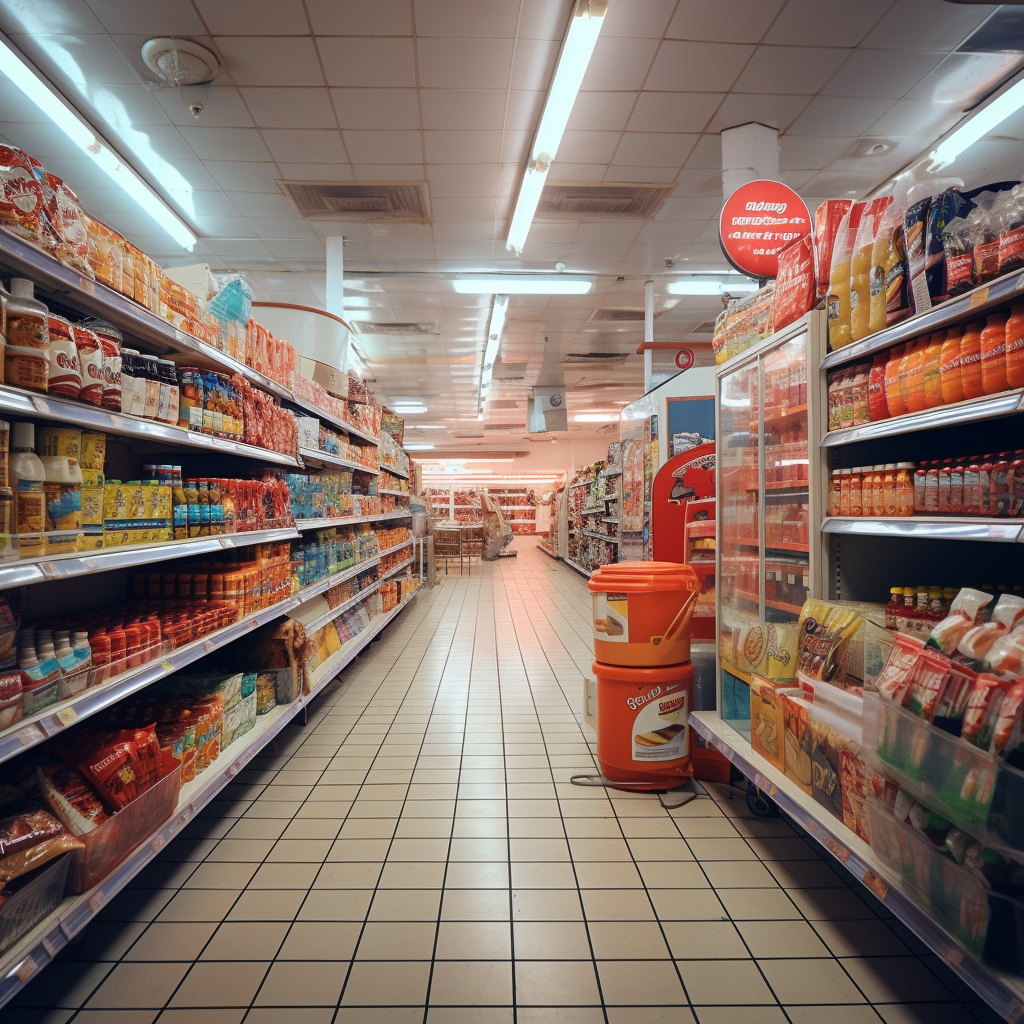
(158, 842)
(86, 285)
(30, 735)
(167, 666)
(66, 716)
(96, 900)
(49, 946)
(26, 969)
(879, 886)
(1015, 1011)
(52, 569)
(979, 297)
(954, 955)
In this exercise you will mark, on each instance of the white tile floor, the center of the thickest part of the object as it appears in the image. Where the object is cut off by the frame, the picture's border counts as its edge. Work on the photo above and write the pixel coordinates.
(417, 855)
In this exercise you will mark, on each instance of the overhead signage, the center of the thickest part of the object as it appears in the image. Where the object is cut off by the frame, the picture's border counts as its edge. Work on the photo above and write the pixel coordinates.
(757, 221)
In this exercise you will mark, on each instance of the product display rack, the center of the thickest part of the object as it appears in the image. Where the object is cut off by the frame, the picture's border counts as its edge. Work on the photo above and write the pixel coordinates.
(858, 558)
(594, 497)
(324, 524)
(315, 455)
(40, 946)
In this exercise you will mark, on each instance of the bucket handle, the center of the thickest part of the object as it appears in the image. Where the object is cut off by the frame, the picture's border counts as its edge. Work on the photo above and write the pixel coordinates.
(681, 621)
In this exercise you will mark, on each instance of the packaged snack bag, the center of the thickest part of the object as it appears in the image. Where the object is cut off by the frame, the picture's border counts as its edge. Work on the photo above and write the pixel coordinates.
(1006, 733)
(982, 709)
(931, 673)
(963, 612)
(1011, 230)
(977, 641)
(861, 267)
(29, 837)
(827, 219)
(73, 800)
(896, 678)
(839, 331)
(794, 283)
(1006, 655)
(21, 196)
(889, 301)
(948, 206)
(824, 633)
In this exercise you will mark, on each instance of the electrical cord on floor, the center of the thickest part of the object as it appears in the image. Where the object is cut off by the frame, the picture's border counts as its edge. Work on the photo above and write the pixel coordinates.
(691, 789)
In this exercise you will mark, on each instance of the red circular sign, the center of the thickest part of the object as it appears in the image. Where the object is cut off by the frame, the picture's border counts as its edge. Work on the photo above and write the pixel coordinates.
(757, 220)
(685, 358)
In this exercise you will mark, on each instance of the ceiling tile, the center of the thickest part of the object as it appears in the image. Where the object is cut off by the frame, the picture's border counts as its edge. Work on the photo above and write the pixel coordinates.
(383, 147)
(810, 151)
(222, 108)
(840, 115)
(572, 172)
(244, 177)
(227, 227)
(239, 249)
(314, 172)
(377, 109)
(464, 63)
(454, 208)
(788, 69)
(619, 63)
(280, 227)
(876, 73)
(225, 143)
(774, 111)
(317, 146)
(76, 60)
(544, 19)
(923, 25)
(523, 110)
(260, 204)
(228, 17)
(809, 22)
(650, 149)
(153, 17)
(587, 147)
(628, 173)
(674, 111)
(213, 204)
(290, 108)
(464, 250)
(126, 105)
(449, 181)
(379, 18)
(699, 181)
(607, 231)
(463, 108)
(479, 19)
(725, 21)
(965, 78)
(646, 20)
(296, 248)
(691, 67)
(389, 172)
(515, 147)
(365, 63)
(707, 152)
(464, 230)
(37, 17)
(534, 63)
(917, 117)
(601, 111)
(463, 147)
(255, 60)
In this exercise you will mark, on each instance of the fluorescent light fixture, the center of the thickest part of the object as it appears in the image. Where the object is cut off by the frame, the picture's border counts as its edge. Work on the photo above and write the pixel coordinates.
(578, 48)
(417, 446)
(596, 417)
(53, 105)
(977, 126)
(499, 310)
(408, 408)
(424, 426)
(523, 284)
(710, 286)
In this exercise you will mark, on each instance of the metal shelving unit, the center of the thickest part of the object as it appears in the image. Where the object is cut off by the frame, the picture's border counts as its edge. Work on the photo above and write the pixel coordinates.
(1007, 531)
(325, 524)
(315, 455)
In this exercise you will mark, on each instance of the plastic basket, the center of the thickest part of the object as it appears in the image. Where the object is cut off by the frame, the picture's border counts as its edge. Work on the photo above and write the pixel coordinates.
(32, 898)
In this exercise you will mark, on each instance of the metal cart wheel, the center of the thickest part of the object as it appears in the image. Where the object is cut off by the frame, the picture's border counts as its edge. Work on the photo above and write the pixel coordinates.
(760, 805)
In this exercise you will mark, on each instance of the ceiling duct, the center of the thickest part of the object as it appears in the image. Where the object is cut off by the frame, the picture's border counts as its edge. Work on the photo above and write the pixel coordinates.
(595, 358)
(606, 315)
(635, 201)
(505, 426)
(393, 329)
(705, 327)
(405, 202)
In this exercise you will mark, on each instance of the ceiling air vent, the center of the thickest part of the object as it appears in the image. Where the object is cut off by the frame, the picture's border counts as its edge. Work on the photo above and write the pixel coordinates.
(638, 202)
(503, 403)
(595, 358)
(706, 327)
(393, 329)
(505, 426)
(508, 382)
(407, 202)
(620, 315)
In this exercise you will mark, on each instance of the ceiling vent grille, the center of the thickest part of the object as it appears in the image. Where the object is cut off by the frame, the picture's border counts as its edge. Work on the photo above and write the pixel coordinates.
(393, 329)
(405, 202)
(595, 358)
(620, 315)
(637, 202)
(706, 327)
(505, 426)
(503, 403)
(508, 382)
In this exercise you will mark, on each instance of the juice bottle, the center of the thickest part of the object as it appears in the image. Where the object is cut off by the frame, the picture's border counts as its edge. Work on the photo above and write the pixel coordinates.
(922, 623)
(27, 480)
(984, 484)
(956, 489)
(931, 489)
(920, 476)
(856, 492)
(913, 376)
(877, 407)
(834, 494)
(904, 489)
(993, 355)
(889, 488)
(931, 373)
(893, 396)
(1015, 483)
(972, 495)
(1015, 347)
(878, 491)
(999, 501)
(970, 360)
(844, 492)
(945, 487)
(895, 600)
(949, 367)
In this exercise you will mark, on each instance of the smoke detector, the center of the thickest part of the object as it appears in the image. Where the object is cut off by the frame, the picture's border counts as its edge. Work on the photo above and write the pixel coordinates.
(179, 62)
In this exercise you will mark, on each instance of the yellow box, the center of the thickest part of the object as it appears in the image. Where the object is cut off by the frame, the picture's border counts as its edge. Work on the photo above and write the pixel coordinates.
(90, 542)
(115, 500)
(60, 441)
(115, 538)
(136, 492)
(767, 725)
(94, 450)
(158, 501)
(796, 721)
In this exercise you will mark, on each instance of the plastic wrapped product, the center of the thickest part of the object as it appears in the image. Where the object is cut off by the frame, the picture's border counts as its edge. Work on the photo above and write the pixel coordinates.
(1006, 732)
(21, 197)
(827, 219)
(978, 640)
(794, 283)
(839, 279)
(1006, 656)
(983, 709)
(73, 800)
(896, 678)
(825, 631)
(915, 220)
(889, 302)
(29, 837)
(963, 612)
(931, 673)
(861, 265)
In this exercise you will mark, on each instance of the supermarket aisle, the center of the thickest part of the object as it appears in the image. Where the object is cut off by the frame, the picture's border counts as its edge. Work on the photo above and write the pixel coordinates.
(416, 854)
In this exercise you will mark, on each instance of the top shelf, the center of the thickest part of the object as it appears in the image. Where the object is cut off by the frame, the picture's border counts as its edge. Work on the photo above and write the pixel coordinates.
(967, 306)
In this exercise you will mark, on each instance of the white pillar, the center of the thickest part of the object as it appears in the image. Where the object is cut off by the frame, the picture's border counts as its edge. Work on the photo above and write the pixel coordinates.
(749, 151)
(648, 332)
(336, 286)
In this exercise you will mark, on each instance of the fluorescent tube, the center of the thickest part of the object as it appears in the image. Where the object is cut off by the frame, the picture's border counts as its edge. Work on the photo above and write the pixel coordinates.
(587, 20)
(977, 126)
(708, 286)
(523, 284)
(596, 417)
(417, 446)
(43, 95)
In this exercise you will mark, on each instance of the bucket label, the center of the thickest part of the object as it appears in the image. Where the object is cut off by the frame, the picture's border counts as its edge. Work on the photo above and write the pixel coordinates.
(660, 731)
(611, 619)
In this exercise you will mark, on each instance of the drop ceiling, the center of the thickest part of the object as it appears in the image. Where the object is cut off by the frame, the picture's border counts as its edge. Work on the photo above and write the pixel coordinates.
(448, 93)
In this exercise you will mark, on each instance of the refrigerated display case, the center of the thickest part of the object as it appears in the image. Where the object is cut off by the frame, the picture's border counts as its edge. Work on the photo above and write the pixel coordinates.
(769, 492)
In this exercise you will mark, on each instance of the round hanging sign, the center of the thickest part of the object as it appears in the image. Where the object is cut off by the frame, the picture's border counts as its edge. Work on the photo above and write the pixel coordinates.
(758, 220)
(685, 358)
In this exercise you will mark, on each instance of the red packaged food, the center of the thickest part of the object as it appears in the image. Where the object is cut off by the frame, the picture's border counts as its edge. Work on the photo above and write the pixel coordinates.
(895, 680)
(90, 358)
(794, 283)
(931, 673)
(29, 837)
(122, 766)
(827, 219)
(983, 708)
(21, 196)
(1006, 732)
(72, 799)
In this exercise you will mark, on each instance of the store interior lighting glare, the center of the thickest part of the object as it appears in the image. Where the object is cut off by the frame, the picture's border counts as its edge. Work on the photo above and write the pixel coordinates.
(499, 311)
(977, 126)
(710, 286)
(596, 417)
(417, 446)
(585, 27)
(523, 284)
(53, 105)
(408, 408)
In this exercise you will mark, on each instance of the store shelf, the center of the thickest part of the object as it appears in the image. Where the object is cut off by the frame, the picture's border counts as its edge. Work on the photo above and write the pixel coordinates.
(59, 567)
(734, 671)
(314, 455)
(976, 410)
(602, 536)
(778, 545)
(1007, 531)
(398, 568)
(579, 568)
(400, 473)
(596, 510)
(397, 494)
(1004, 993)
(611, 471)
(326, 524)
(783, 606)
(547, 549)
(609, 519)
(319, 621)
(968, 306)
(17, 402)
(397, 547)
(581, 483)
(41, 945)
(785, 418)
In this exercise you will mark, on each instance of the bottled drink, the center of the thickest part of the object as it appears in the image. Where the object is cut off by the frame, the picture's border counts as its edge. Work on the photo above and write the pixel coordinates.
(920, 477)
(894, 400)
(970, 361)
(993, 355)
(856, 499)
(878, 491)
(1015, 347)
(931, 370)
(878, 409)
(904, 489)
(949, 367)
(895, 600)
(834, 493)
(27, 480)
(914, 377)
(945, 487)
(844, 492)
(889, 487)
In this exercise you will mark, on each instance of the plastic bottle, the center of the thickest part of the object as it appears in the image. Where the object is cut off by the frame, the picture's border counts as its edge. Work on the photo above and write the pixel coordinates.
(913, 377)
(972, 494)
(1000, 501)
(993, 355)
(931, 489)
(878, 491)
(838, 303)
(945, 487)
(893, 396)
(889, 486)
(844, 492)
(834, 493)
(877, 406)
(920, 478)
(984, 484)
(27, 354)
(970, 360)
(27, 479)
(949, 367)
(905, 612)
(904, 489)
(931, 370)
(856, 492)
(63, 489)
(936, 611)
(1015, 347)
(895, 600)
(956, 488)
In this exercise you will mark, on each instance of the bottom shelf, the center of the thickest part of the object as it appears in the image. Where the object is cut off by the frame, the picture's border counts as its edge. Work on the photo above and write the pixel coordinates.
(547, 549)
(40, 946)
(579, 568)
(1003, 992)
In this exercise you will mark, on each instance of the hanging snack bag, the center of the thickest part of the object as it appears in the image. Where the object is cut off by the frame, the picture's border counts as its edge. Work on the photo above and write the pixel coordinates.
(1011, 230)
(948, 206)
(839, 280)
(963, 613)
(895, 680)
(794, 283)
(824, 633)
(977, 641)
(21, 197)
(958, 246)
(861, 267)
(889, 302)
(827, 219)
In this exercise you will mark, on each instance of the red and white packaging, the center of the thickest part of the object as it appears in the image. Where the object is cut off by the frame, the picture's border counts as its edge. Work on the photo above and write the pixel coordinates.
(794, 285)
(827, 219)
(65, 375)
(90, 358)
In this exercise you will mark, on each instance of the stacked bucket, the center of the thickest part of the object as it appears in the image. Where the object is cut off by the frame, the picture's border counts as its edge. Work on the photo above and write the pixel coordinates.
(644, 675)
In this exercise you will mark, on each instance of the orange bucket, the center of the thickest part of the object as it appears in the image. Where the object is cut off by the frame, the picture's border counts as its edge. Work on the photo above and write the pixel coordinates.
(643, 735)
(642, 612)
